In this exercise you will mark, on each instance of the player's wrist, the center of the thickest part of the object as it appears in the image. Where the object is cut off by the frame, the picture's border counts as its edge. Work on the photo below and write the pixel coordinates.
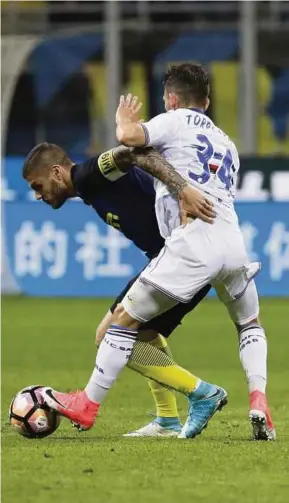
(188, 190)
(182, 189)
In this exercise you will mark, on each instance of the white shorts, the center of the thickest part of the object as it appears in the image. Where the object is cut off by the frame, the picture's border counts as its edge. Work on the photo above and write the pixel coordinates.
(193, 256)
(199, 254)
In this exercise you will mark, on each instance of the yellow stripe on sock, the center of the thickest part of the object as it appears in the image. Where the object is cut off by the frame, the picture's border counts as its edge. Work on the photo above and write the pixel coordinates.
(173, 376)
(159, 342)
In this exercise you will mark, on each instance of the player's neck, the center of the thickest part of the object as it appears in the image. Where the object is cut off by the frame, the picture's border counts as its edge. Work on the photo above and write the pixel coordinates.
(197, 109)
(192, 106)
(71, 192)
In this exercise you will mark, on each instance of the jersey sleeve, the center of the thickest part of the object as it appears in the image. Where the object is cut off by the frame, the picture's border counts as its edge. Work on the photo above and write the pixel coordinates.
(95, 173)
(160, 130)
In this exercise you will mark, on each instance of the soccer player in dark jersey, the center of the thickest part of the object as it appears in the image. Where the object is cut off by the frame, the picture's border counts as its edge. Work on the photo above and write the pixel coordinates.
(123, 196)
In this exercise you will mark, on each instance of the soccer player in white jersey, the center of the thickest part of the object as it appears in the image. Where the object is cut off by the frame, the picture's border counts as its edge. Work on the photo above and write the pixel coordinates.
(194, 255)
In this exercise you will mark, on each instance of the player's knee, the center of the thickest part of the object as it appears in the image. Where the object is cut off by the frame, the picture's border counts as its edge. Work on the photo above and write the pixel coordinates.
(245, 309)
(102, 328)
(255, 322)
(99, 334)
(121, 317)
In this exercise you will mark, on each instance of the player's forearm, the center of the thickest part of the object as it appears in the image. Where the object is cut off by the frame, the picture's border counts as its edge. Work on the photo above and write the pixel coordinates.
(154, 163)
(192, 202)
(151, 161)
(130, 134)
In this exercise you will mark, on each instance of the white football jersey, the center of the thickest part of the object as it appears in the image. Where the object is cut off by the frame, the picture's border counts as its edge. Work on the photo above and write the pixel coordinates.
(202, 153)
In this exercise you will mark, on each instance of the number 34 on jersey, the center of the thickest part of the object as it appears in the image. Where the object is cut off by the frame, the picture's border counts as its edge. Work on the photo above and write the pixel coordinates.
(213, 162)
(198, 150)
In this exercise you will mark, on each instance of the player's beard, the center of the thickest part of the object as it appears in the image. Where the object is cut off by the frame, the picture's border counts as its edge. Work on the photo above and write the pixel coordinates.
(59, 195)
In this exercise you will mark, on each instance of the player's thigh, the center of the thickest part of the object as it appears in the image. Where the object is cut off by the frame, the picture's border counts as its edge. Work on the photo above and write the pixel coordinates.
(245, 308)
(237, 290)
(167, 322)
(121, 295)
(144, 302)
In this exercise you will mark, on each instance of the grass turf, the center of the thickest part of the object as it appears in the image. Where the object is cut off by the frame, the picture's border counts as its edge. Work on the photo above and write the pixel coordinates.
(51, 341)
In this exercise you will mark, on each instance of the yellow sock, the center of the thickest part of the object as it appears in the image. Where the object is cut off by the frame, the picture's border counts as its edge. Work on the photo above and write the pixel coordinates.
(153, 363)
(165, 399)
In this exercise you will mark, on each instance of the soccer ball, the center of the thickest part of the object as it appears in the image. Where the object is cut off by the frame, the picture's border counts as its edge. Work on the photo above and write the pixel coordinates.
(31, 416)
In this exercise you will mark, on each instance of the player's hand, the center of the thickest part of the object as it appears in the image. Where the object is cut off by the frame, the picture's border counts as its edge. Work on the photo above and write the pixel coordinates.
(194, 204)
(128, 109)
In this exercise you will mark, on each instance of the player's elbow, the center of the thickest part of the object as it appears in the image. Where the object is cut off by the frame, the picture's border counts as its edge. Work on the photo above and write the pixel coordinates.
(129, 136)
(125, 137)
(121, 135)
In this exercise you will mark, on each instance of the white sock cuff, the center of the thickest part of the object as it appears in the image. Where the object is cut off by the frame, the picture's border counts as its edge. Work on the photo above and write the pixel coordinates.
(113, 354)
(253, 355)
(252, 330)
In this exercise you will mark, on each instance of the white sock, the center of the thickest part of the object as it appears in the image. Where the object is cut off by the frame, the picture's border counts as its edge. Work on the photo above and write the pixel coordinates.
(257, 382)
(112, 356)
(253, 356)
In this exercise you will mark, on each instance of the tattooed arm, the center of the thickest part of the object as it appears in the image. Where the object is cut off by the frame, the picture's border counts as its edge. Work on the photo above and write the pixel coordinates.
(192, 202)
(152, 162)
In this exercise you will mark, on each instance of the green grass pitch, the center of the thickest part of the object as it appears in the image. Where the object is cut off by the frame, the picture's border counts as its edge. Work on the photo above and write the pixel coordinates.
(51, 342)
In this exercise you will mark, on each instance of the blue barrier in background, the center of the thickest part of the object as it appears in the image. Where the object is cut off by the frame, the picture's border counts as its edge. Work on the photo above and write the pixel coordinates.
(71, 252)
(67, 252)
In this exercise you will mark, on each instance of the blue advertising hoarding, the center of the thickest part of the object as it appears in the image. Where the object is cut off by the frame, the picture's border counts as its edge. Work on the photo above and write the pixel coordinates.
(67, 252)
(71, 252)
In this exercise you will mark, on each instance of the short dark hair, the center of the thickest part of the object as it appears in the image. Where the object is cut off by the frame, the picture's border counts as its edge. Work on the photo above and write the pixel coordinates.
(189, 81)
(43, 157)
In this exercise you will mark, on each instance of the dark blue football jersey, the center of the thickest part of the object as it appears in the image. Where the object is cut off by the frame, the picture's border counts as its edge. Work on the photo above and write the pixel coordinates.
(128, 203)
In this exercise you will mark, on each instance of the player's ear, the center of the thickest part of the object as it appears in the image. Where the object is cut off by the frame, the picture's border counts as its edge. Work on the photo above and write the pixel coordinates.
(173, 101)
(56, 171)
(207, 104)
